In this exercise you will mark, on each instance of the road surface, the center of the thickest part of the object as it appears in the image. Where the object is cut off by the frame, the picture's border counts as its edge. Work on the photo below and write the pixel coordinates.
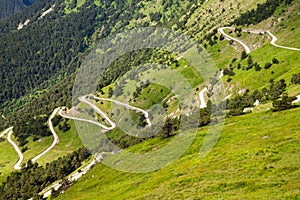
(273, 42)
(21, 157)
(56, 138)
(202, 99)
(227, 37)
(146, 114)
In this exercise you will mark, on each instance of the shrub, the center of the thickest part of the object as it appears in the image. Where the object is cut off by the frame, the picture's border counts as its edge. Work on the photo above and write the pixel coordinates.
(275, 61)
(295, 79)
(268, 65)
(283, 104)
(244, 55)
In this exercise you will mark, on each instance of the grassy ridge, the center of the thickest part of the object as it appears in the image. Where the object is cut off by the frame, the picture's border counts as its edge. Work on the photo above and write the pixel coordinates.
(256, 157)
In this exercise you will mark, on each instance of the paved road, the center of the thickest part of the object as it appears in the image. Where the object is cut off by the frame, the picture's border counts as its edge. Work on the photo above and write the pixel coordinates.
(146, 114)
(201, 97)
(56, 138)
(227, 37)
(99, 111)
(5, 131)
(16, 147)
(273, 42)
(297, 100)
(247, 49)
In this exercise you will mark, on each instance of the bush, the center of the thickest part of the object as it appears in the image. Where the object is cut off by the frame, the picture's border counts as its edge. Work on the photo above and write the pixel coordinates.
(257, 67)
(268, 65)
(64, 127)
(244, 55)
(24, 149)
(275, 61)
(295, 79)
(283, 104)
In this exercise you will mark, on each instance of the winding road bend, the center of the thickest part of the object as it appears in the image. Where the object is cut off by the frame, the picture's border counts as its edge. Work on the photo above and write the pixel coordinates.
(99, 111)
(274, 39)
(5, 131)
(146, 114)
(56, 138)
(227, 37)
(16, 147)
(247, 49)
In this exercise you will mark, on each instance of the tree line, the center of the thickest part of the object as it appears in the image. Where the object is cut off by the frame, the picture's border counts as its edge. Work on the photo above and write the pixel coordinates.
(33, 178)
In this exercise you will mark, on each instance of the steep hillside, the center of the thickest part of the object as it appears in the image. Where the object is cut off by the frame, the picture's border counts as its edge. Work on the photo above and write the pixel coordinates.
(256, 157)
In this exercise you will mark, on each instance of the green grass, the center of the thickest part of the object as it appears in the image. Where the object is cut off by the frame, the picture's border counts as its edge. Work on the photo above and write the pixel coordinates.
(8, 158)
(68, 142)
(288, 30)
(153, 94)
(289, 62)
(257, 156)
(222, 53)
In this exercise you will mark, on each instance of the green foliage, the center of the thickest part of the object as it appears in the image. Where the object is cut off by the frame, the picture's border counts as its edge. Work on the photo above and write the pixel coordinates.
(64, 127)
(239, 102)
(35, 126)
(56, 120)
(205, 115)
(244, 55)
(57, 63)
(268, 65)
(171, 125)
(284, 103)
(276, 89)
(296, 79)
(33, 178)
(275, 61)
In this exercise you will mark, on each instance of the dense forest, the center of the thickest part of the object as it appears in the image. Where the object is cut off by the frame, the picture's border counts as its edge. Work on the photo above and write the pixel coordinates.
(54, 52)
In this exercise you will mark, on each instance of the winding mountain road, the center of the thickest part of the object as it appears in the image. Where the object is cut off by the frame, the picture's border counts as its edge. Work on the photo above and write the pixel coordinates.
(247, 49)
(227, 37)
(273, 42)
(99, 111)
(5, 131)
(146, 114)
(83, 120)
(56, 138)
(16, 147)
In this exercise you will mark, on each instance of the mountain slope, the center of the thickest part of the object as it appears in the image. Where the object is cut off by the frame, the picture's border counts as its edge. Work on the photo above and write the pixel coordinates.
(256, 157)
